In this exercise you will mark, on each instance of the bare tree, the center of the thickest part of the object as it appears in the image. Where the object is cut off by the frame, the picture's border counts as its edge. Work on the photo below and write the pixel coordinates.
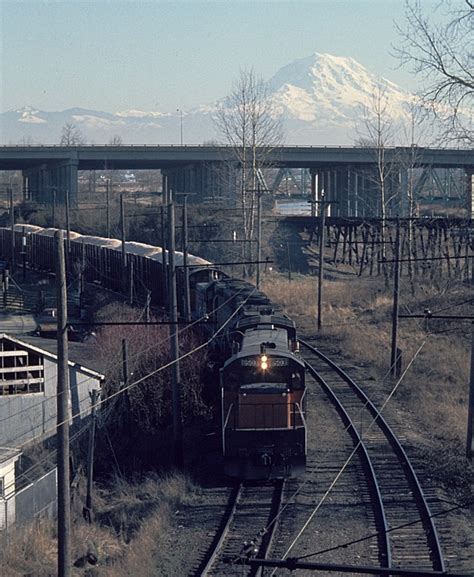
(246, 123)
(376, 132)
(26, 141)
(116, 140)
(71, 135)
(414, 133)
(443, 55)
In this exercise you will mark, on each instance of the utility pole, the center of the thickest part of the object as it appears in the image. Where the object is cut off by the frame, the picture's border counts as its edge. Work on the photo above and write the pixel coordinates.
(289, 260)
(124, 251)
(12, 230)
(82, 281)
(23, 252)
(187, 297)
(259, 233)
(175, 372)
(147, 306)
(164, 261)
(130, 283)
(124, 362)
(68, 226)
(125, 380)
(94, 394)
(322, 225)
(62, 404)
(470, 417)
(107, 200)
(394, 357)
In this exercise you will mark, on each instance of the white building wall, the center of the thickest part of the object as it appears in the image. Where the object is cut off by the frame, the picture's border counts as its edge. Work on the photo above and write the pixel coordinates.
(7, 503)
(33, 416)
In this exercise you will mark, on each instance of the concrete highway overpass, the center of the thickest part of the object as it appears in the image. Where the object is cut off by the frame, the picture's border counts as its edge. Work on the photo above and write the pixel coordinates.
(346, 174)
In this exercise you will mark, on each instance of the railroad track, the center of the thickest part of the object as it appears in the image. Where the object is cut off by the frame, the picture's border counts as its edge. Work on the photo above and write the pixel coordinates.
(407, 536)
(251, 509)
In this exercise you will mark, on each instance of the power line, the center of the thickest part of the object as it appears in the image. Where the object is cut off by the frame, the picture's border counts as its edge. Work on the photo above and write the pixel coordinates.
(382, 533)
(349, 458)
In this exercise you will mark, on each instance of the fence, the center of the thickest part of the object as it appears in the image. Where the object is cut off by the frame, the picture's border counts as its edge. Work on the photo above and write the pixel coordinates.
(38, 499)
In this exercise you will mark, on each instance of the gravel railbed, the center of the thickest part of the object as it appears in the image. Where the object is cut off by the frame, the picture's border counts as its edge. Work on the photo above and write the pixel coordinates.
(456, 529)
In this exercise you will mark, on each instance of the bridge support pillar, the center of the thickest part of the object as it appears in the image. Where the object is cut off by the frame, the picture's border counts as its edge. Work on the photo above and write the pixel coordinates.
(39, 182)
(210, 180)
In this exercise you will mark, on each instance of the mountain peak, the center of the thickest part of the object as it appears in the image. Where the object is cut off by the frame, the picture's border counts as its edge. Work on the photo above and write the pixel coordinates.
(330, 90)
(322, 71)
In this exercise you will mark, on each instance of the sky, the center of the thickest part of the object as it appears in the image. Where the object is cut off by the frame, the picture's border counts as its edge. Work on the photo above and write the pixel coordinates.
(114, 56)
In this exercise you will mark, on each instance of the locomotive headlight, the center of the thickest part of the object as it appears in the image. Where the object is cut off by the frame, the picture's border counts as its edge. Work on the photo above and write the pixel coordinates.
(263, 362)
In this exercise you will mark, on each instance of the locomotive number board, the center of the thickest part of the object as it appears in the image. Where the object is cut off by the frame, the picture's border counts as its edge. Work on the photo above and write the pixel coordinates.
(272, 362)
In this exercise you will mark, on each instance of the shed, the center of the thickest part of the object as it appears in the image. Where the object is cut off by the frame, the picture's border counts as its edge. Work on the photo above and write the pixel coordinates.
(28, 381)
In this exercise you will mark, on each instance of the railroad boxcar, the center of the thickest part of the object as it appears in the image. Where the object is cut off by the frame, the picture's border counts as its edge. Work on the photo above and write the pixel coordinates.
(102, 261)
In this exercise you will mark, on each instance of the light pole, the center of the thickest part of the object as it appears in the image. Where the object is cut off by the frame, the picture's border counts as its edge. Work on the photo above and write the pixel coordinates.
(181, 124)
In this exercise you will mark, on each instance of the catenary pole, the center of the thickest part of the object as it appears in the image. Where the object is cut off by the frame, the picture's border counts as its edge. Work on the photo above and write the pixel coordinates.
(470, 418)
(68, 225)
(187, 296)
(94, 394)
(107, 198)
(124, 250)
(64, 499)
(12, 230)
(396, 291)
(164, 259)
(175, 369)
(322, 226)
(259, 233)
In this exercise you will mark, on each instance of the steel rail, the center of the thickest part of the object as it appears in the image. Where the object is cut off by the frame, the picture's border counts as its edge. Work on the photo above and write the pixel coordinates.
(380, 517)
(216, 547)
(208, 565)
(420, 499)
(267, 541)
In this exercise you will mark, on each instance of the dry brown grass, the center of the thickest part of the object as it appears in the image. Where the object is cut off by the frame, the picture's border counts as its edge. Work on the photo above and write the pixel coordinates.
(133, 523)
(357, 323)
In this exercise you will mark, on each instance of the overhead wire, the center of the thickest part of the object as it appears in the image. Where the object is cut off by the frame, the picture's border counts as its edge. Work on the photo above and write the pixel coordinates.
(136, 356)
(133, 357)
(138, 381)
(383, 533)
(352, 454)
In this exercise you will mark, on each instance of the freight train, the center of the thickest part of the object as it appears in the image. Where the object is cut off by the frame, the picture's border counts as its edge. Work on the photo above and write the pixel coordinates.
(262, 377)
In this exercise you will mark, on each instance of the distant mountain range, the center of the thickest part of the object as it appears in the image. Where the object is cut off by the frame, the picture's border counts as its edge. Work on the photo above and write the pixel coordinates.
(318, 99)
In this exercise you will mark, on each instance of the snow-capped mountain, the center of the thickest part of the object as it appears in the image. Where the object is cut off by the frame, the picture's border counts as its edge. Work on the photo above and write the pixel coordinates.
(319, 99)
(322, 98)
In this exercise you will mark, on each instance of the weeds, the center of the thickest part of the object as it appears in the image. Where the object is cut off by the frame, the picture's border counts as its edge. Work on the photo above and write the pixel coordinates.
(133, 522)
(357, 324)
